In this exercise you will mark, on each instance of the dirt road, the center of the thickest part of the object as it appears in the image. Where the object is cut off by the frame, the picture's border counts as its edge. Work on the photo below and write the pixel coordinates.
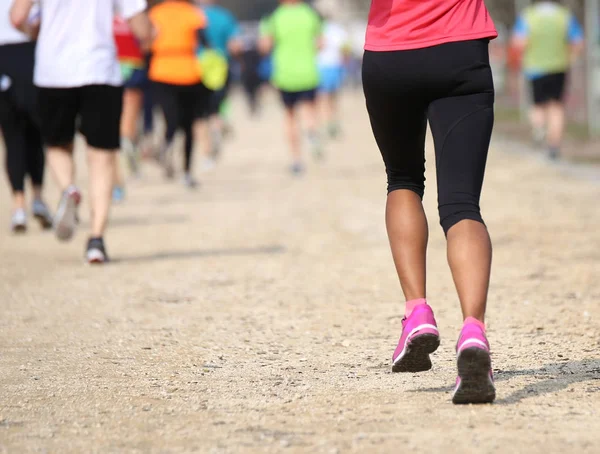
(259, 314)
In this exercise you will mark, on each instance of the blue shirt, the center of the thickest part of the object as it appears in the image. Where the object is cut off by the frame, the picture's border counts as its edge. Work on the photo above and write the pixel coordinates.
(222, 27)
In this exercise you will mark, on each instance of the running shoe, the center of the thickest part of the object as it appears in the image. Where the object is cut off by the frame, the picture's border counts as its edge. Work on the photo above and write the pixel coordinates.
(553, 153)
(167, 162)
(217, 144)
(131, 154)
(66, 218)
(316, 146)
(538, 136)
(333, 130)
(18, 222)
(475, 382)
(118, 194)
(189, 181)
(420, 337)
(42, 214)
(96, 252)
(208, 165)
(297, 169)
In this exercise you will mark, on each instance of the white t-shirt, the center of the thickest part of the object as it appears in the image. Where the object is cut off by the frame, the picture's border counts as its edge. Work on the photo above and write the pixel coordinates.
(76, 46)
(335, 38)
(8, 33)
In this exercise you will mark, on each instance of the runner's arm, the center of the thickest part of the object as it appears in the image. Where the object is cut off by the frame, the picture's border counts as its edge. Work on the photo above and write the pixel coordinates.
(266, 41)
(235, 45)
(19, 15)
(520, 36)
(134, 12)
(143, 30)
(576, 39)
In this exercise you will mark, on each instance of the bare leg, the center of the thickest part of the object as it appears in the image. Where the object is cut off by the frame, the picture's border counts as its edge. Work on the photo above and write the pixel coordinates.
(408, 233)
(18, 200)
(37, 193)
(202, 137)
(311, 116)
(60, 161)
(470, 260)
(537, 117)
(293, 133)
(556, 124)
(101, 165)
(133, 101)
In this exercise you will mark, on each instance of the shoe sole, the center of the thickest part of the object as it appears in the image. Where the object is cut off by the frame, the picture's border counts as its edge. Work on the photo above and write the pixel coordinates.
(95, 257)
(45, 223)
(416, 358)
(66, 219)
(476, 386)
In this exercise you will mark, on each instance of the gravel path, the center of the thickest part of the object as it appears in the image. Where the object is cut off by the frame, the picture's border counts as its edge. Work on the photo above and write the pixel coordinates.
(259, 314)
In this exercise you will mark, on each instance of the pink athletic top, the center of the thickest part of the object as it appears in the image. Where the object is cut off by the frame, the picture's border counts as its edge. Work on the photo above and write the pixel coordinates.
(414, 24)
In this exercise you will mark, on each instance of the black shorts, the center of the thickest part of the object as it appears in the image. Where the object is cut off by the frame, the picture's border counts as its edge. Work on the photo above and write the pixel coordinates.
(182, 102)
(549, 88)
(138, 80)
(451, 86)
(292, 98)
(96, 109)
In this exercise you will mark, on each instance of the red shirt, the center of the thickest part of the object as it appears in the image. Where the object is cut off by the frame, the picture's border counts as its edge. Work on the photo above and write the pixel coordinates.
(128, 49)
(414, 24)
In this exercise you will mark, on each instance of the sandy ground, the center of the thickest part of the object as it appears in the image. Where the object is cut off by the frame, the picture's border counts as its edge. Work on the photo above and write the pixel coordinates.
(259, 314)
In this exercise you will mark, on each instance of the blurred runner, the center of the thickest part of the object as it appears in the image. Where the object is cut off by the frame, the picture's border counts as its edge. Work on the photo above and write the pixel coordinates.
(135, 76)
(250, 61)
(223, 35)
(19, 120)
(293, 33)
(332, 58)
(79, 81)
(429, 61)
(552, 39)
(176, 75)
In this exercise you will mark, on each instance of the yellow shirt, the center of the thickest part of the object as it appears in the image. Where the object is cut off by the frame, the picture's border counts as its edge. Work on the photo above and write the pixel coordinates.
(174, 49)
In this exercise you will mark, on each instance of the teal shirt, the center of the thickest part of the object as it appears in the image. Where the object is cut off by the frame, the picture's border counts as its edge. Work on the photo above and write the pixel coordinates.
(221, 29)
(295, 30)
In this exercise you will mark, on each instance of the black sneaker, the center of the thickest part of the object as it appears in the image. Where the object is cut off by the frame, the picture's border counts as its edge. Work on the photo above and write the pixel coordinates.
(96, 252)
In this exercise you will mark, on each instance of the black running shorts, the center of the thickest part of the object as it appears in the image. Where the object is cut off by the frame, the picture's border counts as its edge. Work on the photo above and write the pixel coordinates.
(550, 87)
(95, 109)
(292, 98)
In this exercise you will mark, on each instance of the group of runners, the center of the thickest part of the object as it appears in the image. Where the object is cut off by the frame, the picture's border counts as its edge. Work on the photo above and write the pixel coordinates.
(425, 62)
(144, 59)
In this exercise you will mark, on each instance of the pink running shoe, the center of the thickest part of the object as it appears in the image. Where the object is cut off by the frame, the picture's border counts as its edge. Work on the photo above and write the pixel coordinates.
(420, 337)
(475, 382)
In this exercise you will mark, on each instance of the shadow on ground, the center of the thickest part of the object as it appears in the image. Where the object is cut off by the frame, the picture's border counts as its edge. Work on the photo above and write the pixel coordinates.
(132, 221)
(199, 253)
(552, 378)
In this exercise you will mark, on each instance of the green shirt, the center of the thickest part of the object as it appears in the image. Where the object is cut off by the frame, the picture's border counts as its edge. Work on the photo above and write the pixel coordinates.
(548, 28)
(295, 29)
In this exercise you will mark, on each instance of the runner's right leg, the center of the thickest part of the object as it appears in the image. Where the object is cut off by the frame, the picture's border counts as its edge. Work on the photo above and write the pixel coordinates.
(101, 107)
(58, 108)
(133, 100)
(166, 97)
(310, 110)
(12, 123)
(556, 127)
(292, 129)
